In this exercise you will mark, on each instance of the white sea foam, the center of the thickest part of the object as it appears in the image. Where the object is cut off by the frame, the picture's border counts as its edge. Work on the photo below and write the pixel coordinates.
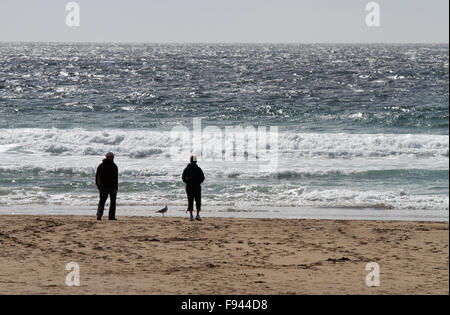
(150, 143)
(279, 196)
(57, 167)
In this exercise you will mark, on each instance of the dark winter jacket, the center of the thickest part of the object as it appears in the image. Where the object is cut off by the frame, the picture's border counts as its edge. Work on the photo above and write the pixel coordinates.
(107, 177)
(193, 175)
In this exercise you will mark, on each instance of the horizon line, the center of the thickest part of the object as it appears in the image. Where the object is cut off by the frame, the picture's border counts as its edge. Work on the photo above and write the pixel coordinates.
(222, 43)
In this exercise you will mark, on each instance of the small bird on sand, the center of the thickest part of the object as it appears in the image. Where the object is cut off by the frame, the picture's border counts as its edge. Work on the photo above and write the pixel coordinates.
(163, 210)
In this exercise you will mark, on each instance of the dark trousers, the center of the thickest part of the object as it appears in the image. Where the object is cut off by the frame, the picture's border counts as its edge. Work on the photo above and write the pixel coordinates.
(112, 206)
(194, 193)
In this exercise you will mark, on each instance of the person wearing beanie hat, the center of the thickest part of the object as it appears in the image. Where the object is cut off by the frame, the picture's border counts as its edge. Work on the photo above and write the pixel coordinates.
(107, 181)
(193, 177)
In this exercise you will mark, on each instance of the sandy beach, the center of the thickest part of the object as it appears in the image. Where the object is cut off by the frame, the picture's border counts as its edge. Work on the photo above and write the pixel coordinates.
(138, 255)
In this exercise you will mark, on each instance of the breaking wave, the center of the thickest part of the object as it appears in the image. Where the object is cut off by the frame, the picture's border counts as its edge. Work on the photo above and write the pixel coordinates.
(140, 144)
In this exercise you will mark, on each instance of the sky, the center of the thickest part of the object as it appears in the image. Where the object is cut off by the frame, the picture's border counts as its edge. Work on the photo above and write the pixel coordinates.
(226, 21)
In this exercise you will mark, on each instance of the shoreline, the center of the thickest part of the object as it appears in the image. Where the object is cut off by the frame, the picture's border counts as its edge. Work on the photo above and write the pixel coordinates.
(245, 212)
(156, 255)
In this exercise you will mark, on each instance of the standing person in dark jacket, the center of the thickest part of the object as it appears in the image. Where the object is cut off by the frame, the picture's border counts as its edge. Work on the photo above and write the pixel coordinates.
(193, 177)
(107, 181)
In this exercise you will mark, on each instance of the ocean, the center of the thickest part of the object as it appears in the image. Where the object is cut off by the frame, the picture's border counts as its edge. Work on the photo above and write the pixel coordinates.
(362, 131)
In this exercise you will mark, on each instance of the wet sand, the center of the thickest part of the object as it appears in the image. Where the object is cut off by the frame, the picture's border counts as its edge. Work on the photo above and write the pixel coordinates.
(138, 255)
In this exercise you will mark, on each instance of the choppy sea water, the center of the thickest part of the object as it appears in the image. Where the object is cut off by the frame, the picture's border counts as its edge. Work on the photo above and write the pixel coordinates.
(362, 129)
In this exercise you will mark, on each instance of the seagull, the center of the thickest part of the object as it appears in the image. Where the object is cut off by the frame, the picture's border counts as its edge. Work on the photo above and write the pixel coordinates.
(163, 210)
